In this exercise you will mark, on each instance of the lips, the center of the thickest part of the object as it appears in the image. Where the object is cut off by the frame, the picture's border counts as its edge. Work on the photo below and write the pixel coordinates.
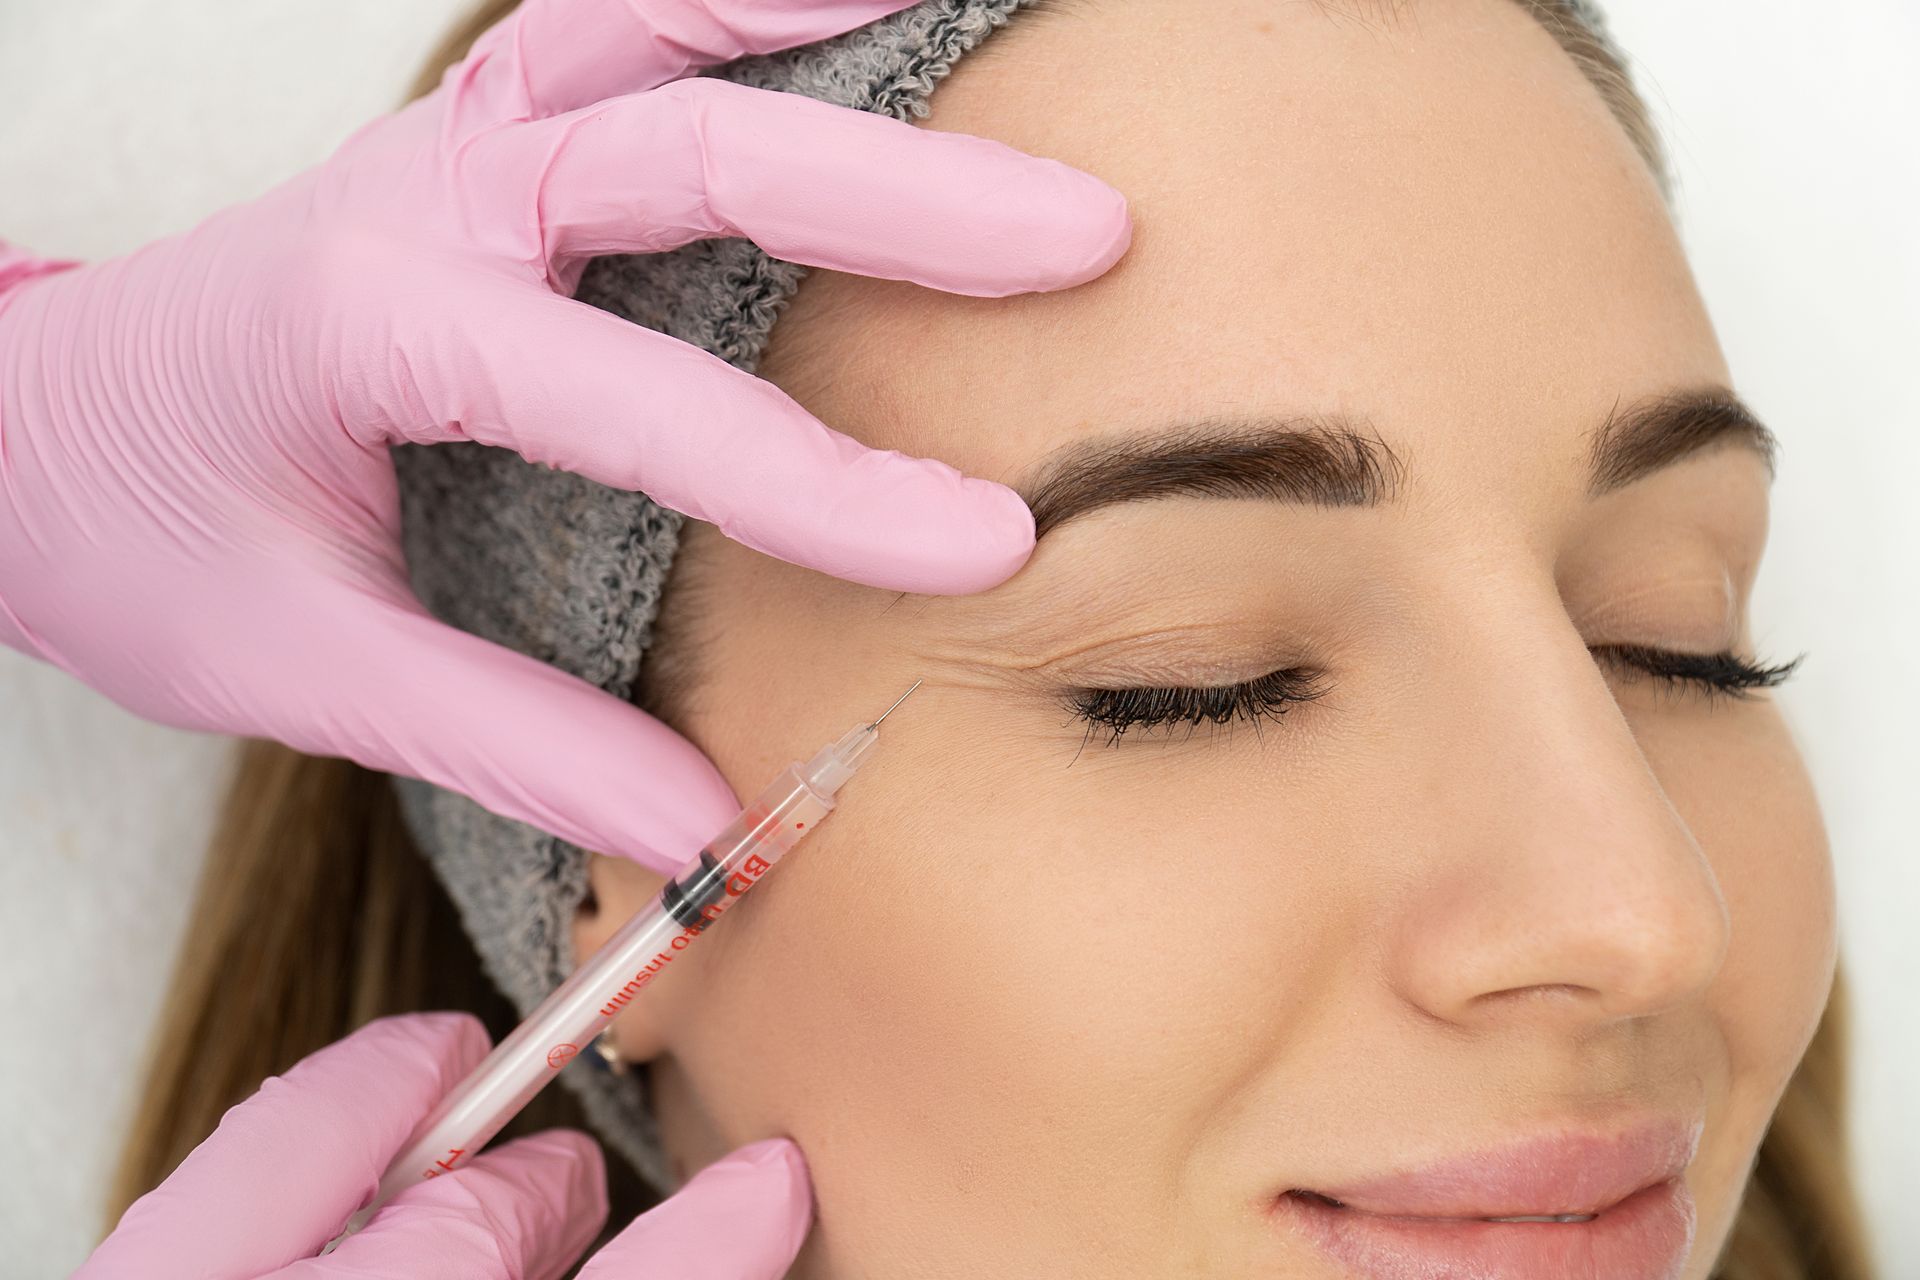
(1568, 1206)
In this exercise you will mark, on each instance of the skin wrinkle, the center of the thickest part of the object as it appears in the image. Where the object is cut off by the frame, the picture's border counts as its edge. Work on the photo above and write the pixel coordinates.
(1622, 612)
(1084, 1017)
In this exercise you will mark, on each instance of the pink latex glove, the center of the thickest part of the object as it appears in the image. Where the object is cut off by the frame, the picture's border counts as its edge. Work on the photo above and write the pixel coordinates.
(198, 515)
(290, 1164)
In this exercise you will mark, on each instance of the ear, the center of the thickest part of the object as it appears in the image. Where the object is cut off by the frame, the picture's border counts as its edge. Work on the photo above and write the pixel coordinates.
(616, 890)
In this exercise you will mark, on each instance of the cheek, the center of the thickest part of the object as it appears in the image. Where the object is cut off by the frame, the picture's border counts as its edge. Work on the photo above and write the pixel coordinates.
(1745, 794)
(1743, 790)
(1014, 997)
(939, 975)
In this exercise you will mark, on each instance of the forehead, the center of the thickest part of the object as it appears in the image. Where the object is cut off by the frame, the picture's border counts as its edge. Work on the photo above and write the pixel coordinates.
(1430, 221)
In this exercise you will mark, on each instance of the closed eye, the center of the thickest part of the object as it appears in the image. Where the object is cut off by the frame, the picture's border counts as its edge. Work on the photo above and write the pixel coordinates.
(1264, 697)
(1713, 675)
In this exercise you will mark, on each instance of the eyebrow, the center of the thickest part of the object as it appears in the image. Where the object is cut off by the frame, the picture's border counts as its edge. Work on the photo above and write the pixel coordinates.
(1338, 461)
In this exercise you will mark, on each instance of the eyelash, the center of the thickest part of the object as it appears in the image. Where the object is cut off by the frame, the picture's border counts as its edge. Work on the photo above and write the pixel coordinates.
(1271, 696)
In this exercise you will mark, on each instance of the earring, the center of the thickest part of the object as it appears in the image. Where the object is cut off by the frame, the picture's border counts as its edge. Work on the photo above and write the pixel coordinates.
(607, 1056)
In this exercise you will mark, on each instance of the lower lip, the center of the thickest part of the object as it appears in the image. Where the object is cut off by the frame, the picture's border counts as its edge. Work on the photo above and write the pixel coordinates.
(1644, 1237)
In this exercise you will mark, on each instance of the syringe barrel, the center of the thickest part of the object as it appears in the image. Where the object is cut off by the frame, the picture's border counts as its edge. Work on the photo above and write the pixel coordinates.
(746, 849)
(585, 1005)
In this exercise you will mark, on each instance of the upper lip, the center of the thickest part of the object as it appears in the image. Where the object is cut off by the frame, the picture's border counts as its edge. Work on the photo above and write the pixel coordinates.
(1565, 1172)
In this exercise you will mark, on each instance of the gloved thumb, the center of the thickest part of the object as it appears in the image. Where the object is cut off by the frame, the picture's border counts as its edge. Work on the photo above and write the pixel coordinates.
(741, 1218)
(524, 1210)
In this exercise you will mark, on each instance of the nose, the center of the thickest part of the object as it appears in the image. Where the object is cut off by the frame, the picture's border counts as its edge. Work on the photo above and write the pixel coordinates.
(1558, 882)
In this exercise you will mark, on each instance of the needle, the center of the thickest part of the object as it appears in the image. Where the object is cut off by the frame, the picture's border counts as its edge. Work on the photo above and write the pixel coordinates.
(896, 702)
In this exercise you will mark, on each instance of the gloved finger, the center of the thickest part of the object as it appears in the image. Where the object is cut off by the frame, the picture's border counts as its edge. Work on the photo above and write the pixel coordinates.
(808, 182)
(578, 388)
(287, 1166)
(413, 696)
(741, 1218)
(526, 1210)
(551, 56)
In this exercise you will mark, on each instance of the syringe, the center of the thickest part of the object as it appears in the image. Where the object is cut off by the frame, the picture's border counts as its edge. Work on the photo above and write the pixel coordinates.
(585, 1005)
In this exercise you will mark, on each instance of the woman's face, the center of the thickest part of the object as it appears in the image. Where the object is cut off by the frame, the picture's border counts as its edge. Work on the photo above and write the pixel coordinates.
(1038, 1004)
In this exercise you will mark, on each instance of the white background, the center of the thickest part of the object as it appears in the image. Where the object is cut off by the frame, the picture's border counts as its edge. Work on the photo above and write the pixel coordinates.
(1795, 128)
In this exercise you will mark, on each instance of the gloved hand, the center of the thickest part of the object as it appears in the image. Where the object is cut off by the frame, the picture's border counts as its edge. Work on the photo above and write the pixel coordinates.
(198, 515)
(288, 1166)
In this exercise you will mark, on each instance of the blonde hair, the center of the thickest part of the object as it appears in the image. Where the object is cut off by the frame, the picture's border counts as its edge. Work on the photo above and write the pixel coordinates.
(311, 873)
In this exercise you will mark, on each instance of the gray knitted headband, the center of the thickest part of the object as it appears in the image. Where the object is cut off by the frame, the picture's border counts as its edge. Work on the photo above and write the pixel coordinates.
(571, 572)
